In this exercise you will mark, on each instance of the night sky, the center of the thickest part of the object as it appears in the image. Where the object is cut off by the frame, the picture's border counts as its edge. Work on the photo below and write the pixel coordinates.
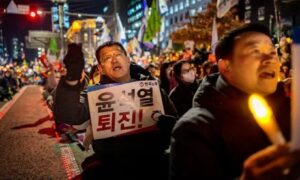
(18, 25)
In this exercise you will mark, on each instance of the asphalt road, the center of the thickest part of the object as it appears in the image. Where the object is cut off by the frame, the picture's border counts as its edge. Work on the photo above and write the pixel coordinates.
(30, 149)
(2, 103)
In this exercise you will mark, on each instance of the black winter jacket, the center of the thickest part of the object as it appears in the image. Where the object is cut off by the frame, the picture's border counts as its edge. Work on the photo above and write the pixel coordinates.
(182, 96)
(215, 137)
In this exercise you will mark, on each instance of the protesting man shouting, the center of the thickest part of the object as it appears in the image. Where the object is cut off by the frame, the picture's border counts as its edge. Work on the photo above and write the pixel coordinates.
(137, 156)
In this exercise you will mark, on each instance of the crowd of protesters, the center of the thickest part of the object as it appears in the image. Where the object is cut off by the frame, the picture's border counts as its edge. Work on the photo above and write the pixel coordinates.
(14, 76)
(11, 80)
(194, 84)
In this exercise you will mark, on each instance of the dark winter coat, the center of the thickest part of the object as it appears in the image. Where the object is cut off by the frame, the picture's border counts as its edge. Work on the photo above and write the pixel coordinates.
(182, 96)
(215, 137)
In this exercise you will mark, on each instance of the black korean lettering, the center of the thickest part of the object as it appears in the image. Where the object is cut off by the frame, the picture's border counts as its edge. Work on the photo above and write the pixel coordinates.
(146, 97)
(105, 104)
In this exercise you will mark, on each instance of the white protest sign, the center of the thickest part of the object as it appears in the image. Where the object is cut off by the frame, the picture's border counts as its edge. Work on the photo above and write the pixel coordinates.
(122, 109)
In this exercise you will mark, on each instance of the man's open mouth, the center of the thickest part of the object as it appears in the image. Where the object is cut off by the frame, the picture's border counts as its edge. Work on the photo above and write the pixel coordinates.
(116, 68)
(267, 74)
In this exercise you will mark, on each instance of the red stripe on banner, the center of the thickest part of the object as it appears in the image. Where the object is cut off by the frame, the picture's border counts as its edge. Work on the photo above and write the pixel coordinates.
(143, 130)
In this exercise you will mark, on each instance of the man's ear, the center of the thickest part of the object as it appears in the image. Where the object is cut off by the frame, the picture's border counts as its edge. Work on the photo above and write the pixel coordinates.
(128, 60)
(224, 65)
(100, 69)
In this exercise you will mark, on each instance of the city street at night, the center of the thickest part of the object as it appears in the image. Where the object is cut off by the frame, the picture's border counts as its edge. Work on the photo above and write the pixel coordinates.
(149, 89)
(30, 148)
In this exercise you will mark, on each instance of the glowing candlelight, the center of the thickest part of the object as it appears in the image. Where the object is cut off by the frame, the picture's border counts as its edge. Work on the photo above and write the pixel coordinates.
(265, 119)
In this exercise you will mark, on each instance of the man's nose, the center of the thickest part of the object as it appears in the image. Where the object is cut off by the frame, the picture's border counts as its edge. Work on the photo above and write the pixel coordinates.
(268, 58)
(113, 59)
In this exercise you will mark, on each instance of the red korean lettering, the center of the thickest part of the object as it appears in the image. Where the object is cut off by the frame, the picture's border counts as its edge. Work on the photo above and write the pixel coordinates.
(125, 121)
(106, 122)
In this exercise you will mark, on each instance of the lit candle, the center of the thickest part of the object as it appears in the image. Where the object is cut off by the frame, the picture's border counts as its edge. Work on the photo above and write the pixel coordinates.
(265, 119)
(295, 96)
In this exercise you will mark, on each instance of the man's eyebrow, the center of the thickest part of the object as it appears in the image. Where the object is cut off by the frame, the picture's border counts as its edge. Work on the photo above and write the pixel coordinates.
(251, 43)
(254, 43)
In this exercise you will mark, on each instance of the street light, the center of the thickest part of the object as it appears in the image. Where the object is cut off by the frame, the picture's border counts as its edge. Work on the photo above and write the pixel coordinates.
(32, 14)
(39, 12)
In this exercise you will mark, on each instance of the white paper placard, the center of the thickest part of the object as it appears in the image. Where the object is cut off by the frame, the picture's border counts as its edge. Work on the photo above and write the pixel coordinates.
(122, 109)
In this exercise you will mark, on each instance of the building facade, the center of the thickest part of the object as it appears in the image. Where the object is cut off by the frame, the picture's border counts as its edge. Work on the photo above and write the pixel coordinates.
(135, 14)
(56, 16)
(3, 49)
(83, 31)
(179, 13)
(17, 49)
(265, 12)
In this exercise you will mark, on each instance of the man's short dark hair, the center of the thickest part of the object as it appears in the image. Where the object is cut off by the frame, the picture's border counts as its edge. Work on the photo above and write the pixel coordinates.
(225, 45)
(108, 44)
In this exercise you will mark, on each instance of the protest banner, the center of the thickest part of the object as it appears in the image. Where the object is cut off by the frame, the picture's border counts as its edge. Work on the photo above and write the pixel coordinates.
(122, 109)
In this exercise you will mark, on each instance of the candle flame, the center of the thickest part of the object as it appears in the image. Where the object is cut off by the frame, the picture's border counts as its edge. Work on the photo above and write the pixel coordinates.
(260, 109)
(264, 117)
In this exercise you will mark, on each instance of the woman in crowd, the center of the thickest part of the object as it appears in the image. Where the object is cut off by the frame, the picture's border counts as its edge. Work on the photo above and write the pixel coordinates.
(166, 76)
(182, 95)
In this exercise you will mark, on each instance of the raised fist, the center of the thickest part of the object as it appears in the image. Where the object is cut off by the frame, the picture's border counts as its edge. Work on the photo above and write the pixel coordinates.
(74, 62)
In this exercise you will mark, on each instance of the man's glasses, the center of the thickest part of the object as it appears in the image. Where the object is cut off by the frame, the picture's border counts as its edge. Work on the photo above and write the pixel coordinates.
(109, 58)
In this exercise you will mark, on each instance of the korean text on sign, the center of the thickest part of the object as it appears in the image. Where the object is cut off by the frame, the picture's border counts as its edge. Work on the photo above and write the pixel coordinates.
(124, 109)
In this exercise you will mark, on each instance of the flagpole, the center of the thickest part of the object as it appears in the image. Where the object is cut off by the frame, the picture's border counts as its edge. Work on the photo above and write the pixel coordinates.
(158, 36)
(115, 17)
(60, 21)
(277, 20)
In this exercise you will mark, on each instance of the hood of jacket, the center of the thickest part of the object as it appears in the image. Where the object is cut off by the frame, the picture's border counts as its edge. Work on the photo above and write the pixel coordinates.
(215, 93)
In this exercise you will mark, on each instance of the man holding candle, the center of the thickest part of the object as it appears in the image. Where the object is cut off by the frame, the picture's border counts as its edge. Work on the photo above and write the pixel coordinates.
(217, 136)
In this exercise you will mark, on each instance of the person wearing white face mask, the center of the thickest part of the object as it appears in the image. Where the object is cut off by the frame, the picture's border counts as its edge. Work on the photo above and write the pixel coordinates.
(182, 95)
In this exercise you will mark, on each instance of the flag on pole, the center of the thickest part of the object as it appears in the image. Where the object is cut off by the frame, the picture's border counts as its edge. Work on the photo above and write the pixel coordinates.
(61, 55)
(153, 23)
(163, 6)
(52, 50)
(106, 35)
(103, 33)
(223, 6)
(141, 31)
(214, 38)
(136, 47)
(144, 21)
(120, 35)
(53, 46)
(169, 47)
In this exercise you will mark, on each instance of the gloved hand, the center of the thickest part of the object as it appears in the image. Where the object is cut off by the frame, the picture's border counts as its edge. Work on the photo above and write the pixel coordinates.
(74, 62)
(165, 124)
